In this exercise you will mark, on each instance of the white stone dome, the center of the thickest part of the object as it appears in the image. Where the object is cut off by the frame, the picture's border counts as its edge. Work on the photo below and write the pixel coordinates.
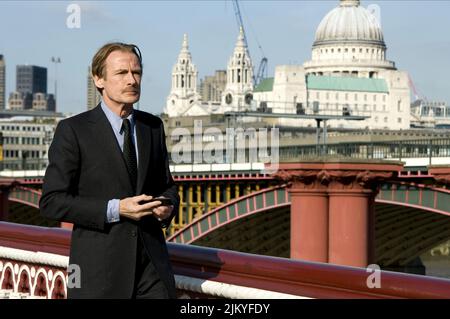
(349, 22)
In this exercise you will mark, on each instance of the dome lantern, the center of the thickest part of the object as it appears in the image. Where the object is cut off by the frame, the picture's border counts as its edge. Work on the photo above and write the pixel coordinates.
(350, 3)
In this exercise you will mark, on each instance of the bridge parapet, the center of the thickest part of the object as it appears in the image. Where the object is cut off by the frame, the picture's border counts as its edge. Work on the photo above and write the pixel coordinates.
(202, 272)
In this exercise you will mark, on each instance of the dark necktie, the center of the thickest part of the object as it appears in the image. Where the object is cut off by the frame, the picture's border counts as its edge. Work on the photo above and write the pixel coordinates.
(129, 152)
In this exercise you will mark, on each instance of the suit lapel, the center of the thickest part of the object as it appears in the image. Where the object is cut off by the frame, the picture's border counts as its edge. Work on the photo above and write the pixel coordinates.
(108, 142)
(144, 141)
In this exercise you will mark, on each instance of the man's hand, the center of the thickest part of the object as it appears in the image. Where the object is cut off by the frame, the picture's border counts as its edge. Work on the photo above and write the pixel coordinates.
(130, 208)
(162, 212)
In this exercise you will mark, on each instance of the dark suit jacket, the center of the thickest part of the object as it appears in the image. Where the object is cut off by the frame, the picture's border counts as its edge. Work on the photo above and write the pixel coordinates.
(86, 169)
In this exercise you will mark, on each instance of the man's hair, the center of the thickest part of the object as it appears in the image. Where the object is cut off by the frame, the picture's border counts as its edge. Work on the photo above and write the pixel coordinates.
(98, 61)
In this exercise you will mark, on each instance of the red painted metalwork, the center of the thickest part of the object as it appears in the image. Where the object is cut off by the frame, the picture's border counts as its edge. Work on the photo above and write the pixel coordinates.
(308, 279)
(34, 238)
(226, 206)
(317, 280)
(420, 207)
(223, 177)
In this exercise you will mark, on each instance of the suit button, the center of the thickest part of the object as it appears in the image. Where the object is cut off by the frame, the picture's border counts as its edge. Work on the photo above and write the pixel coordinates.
(133, 233)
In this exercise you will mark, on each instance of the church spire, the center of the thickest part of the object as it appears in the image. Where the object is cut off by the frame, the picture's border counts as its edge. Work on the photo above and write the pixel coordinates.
(185, 45)
(184, 82)
(241, 38)
(239, 88)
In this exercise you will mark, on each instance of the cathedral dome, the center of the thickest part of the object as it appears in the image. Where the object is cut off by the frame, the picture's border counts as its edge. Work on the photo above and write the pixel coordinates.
(349, 22)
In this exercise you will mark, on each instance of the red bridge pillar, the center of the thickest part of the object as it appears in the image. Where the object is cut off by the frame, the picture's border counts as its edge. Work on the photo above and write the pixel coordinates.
(309, 223)
(332, 208)
(351, 219)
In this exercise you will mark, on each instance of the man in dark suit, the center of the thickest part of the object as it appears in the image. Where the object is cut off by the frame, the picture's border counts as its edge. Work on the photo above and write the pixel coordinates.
(105, 167)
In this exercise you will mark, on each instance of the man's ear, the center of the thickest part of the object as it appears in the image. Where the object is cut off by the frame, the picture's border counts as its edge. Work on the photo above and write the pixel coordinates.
(98, 82)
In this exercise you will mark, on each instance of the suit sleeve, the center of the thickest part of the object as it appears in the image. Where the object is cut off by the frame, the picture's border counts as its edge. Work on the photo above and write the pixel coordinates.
(60, 200)
(171, 188)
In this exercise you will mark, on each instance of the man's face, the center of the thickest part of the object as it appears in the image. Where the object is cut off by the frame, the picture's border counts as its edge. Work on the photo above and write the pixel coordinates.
(122, 81)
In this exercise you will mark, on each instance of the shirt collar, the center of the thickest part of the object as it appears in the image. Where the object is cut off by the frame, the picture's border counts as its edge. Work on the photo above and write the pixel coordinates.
(114, 119)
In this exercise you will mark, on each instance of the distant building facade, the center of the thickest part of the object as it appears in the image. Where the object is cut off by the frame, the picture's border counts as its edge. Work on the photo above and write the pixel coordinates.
(44, 102)
(31, 79)
(93, 95)
(428, 114)
(26, 143)
(31, 90)
(212, 87)
(27, 101)
(20, 101)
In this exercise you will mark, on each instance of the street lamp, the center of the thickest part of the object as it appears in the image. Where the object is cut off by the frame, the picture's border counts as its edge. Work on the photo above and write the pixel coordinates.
(56, 60)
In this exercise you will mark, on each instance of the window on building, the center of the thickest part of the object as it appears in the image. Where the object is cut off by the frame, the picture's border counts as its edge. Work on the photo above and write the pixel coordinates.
(385, 120)
(399, 120)
(399, 105)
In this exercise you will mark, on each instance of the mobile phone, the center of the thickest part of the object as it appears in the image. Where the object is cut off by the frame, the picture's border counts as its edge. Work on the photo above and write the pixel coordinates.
(164, 201)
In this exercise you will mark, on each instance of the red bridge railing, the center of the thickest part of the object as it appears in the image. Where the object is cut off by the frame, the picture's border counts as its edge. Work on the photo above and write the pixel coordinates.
(282, 277)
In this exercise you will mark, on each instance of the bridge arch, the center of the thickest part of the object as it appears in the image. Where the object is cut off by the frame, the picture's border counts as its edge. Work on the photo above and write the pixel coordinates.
(250, 208)
(23, 207)
(25, 196)
(410, 219)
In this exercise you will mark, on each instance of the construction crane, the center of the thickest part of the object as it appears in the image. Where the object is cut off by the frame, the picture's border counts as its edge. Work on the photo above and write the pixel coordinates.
(417, 95)
(262, 69)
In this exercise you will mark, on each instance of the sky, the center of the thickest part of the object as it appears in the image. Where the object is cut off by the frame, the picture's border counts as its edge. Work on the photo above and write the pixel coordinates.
(417, 34)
